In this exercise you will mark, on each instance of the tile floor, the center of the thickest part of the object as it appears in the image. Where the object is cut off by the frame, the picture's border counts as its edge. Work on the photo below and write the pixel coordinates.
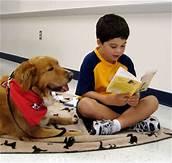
(159, 152)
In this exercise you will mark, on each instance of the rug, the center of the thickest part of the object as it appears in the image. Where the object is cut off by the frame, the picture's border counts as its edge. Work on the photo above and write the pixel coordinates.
(84, 142)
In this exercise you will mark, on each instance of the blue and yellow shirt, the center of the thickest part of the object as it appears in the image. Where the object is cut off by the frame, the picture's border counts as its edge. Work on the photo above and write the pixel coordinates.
(96, 72)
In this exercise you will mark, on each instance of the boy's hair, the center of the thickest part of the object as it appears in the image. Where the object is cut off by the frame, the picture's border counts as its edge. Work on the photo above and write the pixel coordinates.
(111, 26)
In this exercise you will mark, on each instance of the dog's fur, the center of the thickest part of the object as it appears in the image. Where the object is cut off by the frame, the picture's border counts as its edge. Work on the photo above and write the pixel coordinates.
(42, 75)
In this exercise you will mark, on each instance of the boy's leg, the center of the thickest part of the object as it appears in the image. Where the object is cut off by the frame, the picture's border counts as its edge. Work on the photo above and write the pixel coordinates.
(90, 108)
(130, 117)
(146, 107)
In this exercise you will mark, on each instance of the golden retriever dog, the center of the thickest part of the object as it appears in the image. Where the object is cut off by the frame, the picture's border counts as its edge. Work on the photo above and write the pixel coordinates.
(23, 98)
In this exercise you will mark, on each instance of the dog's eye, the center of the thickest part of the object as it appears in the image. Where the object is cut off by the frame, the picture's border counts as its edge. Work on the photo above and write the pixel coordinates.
(50, 68)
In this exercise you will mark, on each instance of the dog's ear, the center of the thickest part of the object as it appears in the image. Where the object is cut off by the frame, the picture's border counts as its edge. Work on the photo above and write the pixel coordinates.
(24, 75)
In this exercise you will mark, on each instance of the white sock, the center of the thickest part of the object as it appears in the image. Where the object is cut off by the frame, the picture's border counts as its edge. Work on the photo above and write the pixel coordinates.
(117, 126)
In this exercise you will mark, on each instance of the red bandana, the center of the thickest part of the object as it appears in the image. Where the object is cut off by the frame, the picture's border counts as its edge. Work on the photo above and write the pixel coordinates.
(29, 104)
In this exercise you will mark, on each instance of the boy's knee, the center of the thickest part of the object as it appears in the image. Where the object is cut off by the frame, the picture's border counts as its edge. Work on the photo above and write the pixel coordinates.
(85, 105)
(83, 102)
(153, 101)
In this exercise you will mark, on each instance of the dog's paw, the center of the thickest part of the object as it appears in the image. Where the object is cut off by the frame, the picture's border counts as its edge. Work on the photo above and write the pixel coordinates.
(75, 117)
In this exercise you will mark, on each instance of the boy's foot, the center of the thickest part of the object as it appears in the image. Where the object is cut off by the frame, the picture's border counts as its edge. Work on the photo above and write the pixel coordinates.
(107, 127)
(149, 125)
(102, 127)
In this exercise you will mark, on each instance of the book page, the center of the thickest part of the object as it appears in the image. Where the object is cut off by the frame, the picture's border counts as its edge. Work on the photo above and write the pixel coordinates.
(146, 79)
(124, 82)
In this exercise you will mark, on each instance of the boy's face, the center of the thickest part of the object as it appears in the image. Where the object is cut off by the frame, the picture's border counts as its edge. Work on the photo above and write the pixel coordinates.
(111, 50)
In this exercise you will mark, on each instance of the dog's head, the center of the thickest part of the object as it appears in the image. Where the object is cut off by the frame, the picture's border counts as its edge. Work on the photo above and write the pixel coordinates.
(42, 74)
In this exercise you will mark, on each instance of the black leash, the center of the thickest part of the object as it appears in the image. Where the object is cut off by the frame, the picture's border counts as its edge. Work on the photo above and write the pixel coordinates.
(11, 111)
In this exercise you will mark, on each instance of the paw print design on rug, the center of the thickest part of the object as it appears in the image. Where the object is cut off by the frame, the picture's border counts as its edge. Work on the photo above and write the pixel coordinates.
(12, 145)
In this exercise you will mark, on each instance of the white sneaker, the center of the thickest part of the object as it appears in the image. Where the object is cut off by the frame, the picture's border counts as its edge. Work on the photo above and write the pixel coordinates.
(102, 127)
(150, 125)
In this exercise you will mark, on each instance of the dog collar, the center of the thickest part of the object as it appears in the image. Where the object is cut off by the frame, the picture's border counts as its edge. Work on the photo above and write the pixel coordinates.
(28, 103)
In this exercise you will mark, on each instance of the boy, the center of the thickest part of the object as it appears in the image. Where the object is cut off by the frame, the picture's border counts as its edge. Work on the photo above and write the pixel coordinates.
(110, 112)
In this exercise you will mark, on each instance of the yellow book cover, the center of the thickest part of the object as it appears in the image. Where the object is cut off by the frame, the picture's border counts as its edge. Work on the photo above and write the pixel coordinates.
(125, 82)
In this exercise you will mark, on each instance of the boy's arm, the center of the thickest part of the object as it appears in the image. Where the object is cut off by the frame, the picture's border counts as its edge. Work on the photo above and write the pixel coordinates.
(86, 75)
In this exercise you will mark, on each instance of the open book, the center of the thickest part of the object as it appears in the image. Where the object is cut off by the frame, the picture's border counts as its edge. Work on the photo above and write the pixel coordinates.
(125, 82)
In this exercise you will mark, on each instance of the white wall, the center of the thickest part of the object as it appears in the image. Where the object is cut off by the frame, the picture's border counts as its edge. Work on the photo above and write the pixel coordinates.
(15, 6)
(69, 38)
(0, 35)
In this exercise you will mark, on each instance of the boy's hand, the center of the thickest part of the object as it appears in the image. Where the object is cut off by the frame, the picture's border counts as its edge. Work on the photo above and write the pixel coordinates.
(117, 99)
(133, 100)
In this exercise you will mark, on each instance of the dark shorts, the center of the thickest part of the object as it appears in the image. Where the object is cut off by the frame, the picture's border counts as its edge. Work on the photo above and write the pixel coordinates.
(117, 109)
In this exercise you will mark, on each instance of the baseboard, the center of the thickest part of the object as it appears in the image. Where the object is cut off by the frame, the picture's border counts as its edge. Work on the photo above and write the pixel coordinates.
(165, 98)
(19, 59)
(12, 57)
